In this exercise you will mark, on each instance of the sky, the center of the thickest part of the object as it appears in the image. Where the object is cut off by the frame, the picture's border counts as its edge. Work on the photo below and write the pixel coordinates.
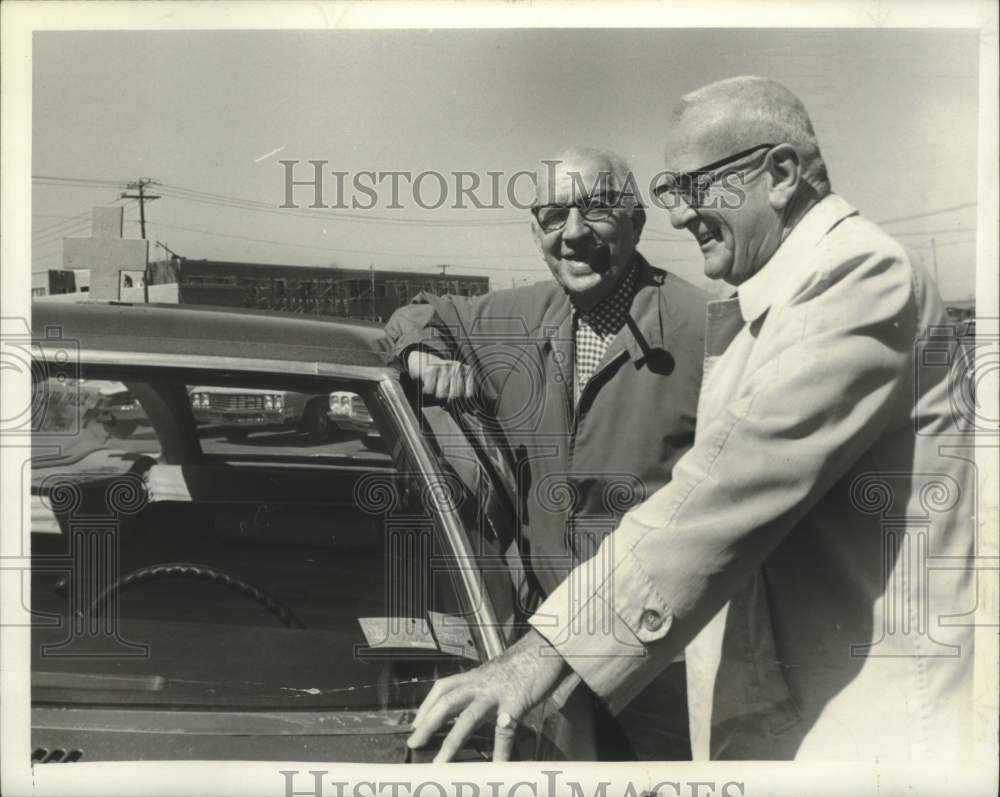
(209, 115)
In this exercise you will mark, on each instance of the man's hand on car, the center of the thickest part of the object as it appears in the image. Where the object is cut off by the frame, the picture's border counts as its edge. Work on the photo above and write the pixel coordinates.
(505, 688)
(445, 379)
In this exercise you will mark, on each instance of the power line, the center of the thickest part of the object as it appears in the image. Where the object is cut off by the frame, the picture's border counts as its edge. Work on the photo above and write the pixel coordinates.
(91, 180)
(70, 226)
(932, 232)
(929, 213)
(40, 232)
(339, 250)
(242, 203)
(57, 238)
(59, 230)
(327, 214)
(63, 228)
(953, 243)
(94, 181)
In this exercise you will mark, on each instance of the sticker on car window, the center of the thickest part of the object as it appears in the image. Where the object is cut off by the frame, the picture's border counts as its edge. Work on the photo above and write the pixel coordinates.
(453, 635)
(397, 632)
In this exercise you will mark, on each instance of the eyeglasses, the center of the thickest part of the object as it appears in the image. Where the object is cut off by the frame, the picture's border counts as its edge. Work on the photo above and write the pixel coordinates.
(599, 208)
(693, 186)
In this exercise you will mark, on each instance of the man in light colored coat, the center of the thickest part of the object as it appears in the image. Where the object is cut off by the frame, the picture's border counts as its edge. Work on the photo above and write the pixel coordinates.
(811, 550)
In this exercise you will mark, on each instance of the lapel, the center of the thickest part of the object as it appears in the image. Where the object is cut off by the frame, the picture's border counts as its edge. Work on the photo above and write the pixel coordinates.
(642, 338)
(770, 284)
(649, 320)
(558, 349)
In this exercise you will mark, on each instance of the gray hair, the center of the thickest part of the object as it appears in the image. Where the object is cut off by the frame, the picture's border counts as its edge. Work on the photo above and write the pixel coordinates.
(741, 112)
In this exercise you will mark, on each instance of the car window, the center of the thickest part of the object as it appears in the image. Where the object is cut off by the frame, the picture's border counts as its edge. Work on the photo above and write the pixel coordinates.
(466, 450)
(237, 420)
(89, 420)
(232, 542)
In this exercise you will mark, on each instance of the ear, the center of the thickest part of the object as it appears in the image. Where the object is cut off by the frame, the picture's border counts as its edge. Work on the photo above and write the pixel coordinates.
(638, 222)
(785, 168)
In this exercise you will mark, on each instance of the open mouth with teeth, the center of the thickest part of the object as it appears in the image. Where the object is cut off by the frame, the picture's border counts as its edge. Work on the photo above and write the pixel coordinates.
(708, 236)
(577, 265)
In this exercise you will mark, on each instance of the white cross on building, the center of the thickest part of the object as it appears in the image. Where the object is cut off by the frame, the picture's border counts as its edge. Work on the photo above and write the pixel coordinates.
(106, 254)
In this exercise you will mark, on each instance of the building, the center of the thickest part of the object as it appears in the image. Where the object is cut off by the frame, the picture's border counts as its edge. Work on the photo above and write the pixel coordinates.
(55, 282)
(323, 290)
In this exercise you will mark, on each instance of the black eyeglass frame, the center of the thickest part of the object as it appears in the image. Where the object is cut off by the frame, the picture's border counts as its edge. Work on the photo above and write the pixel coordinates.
(603, 204)
(712, 170)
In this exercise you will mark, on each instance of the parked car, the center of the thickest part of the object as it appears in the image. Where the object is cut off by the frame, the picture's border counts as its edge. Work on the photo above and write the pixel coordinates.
(117, 410)
(349, 412)
(105, 403)
(239, 410)
(280, 597)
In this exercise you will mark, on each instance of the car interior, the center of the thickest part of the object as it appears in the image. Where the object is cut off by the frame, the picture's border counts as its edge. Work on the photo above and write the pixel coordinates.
(182, 578)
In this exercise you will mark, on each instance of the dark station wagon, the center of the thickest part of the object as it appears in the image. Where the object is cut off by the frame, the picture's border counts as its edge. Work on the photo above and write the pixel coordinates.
(280, 596)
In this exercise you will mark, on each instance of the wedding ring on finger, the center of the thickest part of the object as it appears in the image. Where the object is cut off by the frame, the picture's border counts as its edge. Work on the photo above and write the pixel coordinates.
(505, 722)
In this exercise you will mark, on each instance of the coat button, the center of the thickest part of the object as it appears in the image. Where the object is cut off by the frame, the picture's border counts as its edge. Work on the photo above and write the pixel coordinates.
(652, 621)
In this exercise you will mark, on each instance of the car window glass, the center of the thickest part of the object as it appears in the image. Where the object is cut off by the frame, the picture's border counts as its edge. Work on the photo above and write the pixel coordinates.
(91, 423)
(173, 567)
(489, 513)
(248, 421)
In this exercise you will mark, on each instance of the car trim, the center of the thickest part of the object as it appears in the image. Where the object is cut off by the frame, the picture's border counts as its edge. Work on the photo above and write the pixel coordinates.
(259, 721)
(465, 561)
(51, 351)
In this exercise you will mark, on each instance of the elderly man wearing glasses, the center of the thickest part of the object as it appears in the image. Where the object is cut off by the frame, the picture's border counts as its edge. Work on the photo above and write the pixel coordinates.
(813, 554)
(592, 379)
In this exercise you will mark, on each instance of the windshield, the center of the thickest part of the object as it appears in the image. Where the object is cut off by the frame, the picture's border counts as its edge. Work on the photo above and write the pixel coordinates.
(231, 541)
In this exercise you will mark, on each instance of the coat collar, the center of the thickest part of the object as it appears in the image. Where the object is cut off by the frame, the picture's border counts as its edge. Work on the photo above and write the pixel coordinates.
(650, 319)
(758, 293)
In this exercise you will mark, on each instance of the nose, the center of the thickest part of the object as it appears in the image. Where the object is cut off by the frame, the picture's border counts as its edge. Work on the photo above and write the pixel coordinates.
(575, 228)
(681, 214)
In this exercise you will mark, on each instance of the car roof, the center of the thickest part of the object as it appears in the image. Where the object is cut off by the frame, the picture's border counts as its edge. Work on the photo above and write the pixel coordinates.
(212, 331)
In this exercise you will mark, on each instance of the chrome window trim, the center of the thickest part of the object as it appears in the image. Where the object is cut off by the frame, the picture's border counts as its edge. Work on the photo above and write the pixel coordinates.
(50, 350)
(465, 560)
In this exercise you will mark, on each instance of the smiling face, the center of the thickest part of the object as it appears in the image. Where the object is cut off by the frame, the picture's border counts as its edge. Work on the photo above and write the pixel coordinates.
(587, 258)
(736, 238)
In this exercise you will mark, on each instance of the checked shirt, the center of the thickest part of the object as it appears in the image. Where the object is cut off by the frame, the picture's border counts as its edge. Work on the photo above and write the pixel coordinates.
(597, 328)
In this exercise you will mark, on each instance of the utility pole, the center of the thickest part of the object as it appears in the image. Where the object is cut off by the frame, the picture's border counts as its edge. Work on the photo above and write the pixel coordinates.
(444, 270)
(168, 250)
(140, 186)
(934, 263)
(371, 270)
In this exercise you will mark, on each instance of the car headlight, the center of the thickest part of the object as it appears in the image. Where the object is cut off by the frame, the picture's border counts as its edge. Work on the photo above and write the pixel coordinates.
(340, 404)
(268, 403)
(278, 401)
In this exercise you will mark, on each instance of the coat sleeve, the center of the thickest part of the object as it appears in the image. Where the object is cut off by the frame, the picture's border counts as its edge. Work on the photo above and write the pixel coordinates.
(439, 324)
(833, 375)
